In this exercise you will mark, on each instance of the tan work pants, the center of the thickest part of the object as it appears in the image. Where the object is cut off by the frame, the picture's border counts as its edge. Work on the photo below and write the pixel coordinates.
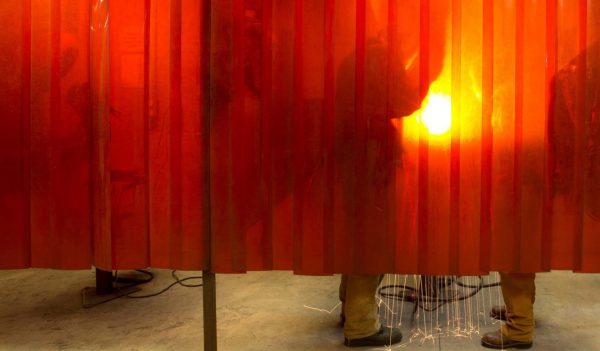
(359, 305)
(518, 290)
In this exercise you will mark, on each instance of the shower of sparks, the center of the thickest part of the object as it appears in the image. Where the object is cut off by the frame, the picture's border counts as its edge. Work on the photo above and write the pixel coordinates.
(456, 318)
(323, 310)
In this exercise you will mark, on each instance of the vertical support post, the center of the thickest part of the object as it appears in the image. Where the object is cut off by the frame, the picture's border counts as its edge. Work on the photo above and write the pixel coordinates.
(104, 282)
(209, 300)
(209, 287)
(104, 290)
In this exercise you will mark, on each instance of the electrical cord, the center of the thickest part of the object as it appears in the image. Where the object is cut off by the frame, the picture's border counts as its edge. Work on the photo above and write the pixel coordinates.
(129, 281)
(178, 281)
(430, 303)
(480, 285)
(174, 275)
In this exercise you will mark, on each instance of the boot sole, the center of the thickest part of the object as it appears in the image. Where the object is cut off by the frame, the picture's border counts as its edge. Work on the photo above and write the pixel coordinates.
(521, 346)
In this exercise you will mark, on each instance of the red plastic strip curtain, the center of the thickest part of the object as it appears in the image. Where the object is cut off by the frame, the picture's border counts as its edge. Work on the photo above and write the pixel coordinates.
(392, 136)
(304, 155)
(103, 134)
(45, 139)
(320, 136)
(159, 134)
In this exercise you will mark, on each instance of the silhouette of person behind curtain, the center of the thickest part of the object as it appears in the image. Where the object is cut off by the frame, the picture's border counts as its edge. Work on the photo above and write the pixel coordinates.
(572, 119)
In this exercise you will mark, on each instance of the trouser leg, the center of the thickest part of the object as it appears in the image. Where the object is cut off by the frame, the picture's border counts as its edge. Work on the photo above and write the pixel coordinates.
(359, 305)
(518, 290)
(342, 294)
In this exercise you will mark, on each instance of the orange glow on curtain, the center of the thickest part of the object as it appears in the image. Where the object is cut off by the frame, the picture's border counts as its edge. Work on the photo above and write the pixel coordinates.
(320, 136)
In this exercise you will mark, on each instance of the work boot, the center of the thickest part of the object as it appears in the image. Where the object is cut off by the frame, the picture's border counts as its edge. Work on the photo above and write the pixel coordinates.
(495, 340)
(498, 312)
(385, 336)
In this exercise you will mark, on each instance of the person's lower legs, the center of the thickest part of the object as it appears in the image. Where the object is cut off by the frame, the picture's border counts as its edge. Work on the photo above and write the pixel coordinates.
(360, 309)
(518, 290)
(342, 295)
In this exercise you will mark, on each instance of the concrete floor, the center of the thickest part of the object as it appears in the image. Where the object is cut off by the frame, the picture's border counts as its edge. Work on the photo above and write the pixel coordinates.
(41, 310)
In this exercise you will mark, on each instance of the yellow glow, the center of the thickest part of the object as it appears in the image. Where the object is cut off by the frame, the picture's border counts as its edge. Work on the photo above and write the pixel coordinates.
(432, 124)
(436, 113)
(434, 117)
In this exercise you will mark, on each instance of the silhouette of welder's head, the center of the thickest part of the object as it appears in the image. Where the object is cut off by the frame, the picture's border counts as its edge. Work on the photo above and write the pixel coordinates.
(391, 73)
(403, 70)
(420, 37)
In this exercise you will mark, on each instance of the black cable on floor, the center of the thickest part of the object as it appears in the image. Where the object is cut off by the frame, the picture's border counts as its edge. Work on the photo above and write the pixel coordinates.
(174, 275)
(402, 292)
(178, 281)
(129, 281)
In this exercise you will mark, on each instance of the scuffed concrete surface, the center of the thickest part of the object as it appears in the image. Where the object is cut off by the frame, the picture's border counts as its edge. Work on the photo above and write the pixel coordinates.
(258, 311)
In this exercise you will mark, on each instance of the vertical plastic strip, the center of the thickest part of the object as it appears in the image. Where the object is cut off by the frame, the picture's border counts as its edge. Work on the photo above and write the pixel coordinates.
(176, 150)
(329, 248)
(591, 203)
(487, 94)
(581, 152)
(146, 211)
(393, 55)
(298, 198)
(37, 132)
(548, 202)
(15, 114)
(357, 240)
(517, 208)
(455, 146)
(220, 151)
(52, 238)
(423, 202)
(100, 133)
(26, 129)
(238, 234)
(205, 261)
(267, 131)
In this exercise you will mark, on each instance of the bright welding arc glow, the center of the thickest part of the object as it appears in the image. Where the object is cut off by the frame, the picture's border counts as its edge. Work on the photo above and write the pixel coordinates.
(436, 115)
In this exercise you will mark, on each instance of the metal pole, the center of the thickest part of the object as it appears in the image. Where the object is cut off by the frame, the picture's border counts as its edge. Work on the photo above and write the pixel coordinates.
(209, 286)
(209, 300)
(104, 282)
